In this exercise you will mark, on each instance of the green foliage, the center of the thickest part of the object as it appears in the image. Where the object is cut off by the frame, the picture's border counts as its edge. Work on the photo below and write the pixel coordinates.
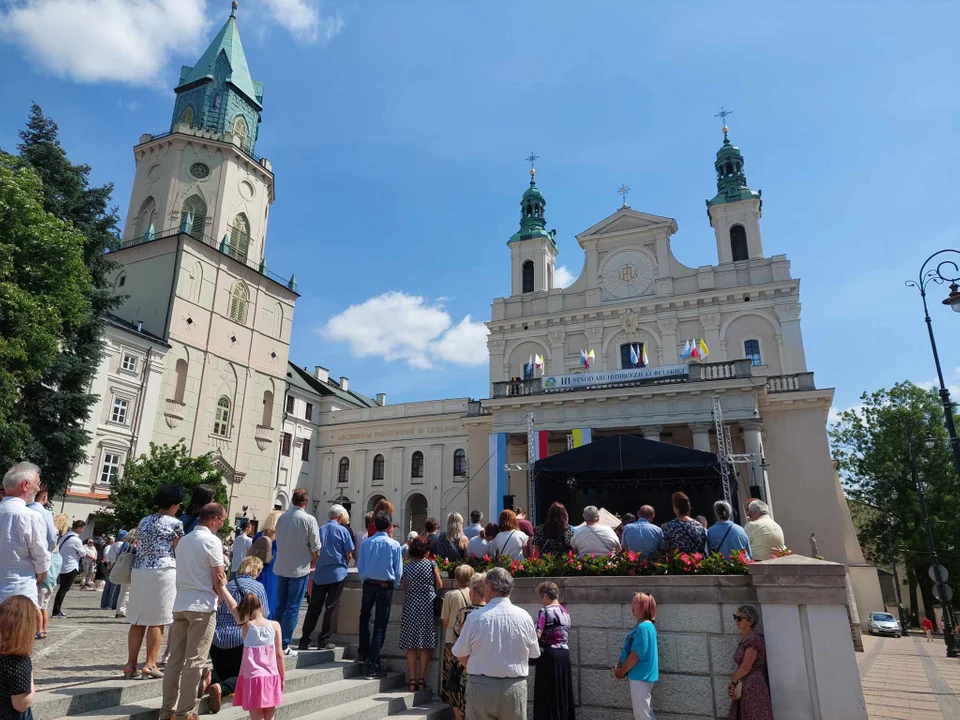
(43, 293)
(132, 494)
(872, 447)
(55, 406)
(625, 563)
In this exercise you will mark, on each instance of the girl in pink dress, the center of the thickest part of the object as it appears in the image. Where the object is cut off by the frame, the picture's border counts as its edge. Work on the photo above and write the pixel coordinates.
(260, 684)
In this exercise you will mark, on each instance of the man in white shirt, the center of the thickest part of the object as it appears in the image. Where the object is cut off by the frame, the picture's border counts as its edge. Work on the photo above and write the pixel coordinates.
(24, 558)
(72, 551)
(763, 532)
(496, 645)
(241, 544)
(594, 538)
(200, 576)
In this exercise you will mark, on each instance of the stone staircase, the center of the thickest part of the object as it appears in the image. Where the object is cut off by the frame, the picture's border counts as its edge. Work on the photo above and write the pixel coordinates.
(320, 685)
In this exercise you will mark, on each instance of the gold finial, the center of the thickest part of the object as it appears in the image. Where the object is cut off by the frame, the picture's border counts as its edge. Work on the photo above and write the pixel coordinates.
(725, 129)
(233, 10)
(533, 172)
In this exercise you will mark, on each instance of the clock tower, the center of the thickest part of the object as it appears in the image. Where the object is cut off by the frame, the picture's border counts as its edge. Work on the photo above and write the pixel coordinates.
(533, 250)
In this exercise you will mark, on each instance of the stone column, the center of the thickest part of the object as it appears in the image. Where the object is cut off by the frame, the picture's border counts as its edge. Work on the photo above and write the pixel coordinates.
(701, 436)
(669, 353)
(652, 432)
(792, 357)
(557, 353)
(753, 444)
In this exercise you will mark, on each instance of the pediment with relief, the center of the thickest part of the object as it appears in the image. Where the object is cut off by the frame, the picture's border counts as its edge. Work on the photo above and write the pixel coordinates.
(625, 220)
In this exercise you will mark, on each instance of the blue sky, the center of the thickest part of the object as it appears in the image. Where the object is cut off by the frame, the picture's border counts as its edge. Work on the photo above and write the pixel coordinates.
(397, 131)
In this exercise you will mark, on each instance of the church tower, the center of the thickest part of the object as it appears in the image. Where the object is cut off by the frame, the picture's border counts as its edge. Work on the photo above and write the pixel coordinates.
(533, 250)
(735, 210)
(203, 177)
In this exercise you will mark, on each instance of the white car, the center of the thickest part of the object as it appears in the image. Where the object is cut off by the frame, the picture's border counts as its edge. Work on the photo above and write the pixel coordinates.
(882, 623)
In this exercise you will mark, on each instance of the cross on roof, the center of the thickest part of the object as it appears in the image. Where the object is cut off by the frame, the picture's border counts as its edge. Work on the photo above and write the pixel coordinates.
(723, 118)
(623, 194)
(532, 159)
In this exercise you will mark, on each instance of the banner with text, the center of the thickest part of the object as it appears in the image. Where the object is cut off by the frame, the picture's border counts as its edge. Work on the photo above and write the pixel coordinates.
(613, 377)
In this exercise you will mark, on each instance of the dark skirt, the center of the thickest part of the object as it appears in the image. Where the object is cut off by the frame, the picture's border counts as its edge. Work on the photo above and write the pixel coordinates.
(553, 686)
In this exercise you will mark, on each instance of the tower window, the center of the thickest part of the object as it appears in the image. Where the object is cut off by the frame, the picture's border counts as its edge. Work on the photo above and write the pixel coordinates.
(378, 467)
(180, 384)
(193, 216)
(221, 423)
(459, 463)
(239, 297)
(751, 351)
(626, 357)
(240, 132)
(416, 465)
(528, 276)
(240, 238)
(187, 117)
(738, 243)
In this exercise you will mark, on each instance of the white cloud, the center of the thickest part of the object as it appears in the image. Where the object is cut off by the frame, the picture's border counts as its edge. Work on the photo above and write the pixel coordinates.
(563, 277)
(935, 385)
(134, 41)
(96, 40)
(833, 416)
(303, 19)
(397, 326)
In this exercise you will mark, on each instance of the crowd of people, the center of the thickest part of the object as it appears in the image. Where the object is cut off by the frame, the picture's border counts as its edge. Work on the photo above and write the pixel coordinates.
(230, 637)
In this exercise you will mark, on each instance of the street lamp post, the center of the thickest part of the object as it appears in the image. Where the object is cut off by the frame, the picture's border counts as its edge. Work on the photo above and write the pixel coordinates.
(939, 274)
(948, 637)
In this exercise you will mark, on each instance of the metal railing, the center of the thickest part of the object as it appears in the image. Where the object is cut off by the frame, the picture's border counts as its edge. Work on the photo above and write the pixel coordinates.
(211, 242)
(699, 372)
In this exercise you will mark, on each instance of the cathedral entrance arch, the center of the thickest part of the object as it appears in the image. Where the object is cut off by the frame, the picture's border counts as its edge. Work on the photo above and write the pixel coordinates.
(416, 513)
(372, 502)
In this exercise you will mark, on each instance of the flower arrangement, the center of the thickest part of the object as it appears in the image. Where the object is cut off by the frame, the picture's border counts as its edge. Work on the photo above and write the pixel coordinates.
(625, 563)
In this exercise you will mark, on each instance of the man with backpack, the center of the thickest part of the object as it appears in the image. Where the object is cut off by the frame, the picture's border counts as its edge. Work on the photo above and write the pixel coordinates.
(73, 553)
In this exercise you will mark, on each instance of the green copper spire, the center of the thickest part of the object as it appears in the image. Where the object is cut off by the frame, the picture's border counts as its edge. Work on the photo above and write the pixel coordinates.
(218, 92)
(532, 223)
(731, 181)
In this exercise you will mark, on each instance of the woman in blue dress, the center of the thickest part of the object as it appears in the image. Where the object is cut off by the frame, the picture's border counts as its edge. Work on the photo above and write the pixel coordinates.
(265, 548)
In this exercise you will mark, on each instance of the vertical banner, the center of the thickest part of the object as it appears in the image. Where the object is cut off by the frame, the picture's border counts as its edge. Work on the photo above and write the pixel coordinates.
(536, 450)
(581, 436)
(498, 476)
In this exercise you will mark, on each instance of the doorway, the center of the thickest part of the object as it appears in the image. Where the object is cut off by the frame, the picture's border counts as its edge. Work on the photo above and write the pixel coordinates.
(416, 513)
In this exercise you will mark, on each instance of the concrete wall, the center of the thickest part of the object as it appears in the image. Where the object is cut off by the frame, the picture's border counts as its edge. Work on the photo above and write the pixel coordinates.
(811, 656)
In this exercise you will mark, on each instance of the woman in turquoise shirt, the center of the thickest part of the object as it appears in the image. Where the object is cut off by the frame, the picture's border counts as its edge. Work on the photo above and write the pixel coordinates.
(638, 659)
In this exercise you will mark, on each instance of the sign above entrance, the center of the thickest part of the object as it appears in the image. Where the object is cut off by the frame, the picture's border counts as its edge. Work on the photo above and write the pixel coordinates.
(552, 383)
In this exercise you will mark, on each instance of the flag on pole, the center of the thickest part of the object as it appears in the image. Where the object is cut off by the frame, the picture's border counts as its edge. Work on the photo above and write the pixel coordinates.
(695, 349)
(634, 356)
(643, 358)
(538, 362)
(528, 369)
(586, 358)
(685, 353)
(581, 436)
(704, 350)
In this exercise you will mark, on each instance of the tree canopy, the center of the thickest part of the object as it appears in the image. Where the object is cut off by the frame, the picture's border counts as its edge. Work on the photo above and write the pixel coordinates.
(43, 293)
(871, 444)
(133, 492)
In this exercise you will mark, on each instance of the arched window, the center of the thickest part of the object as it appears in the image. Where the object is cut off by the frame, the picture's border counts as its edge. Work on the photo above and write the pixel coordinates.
(180, 387)
(528, 276)
(751, 351)
(221, 422)
(738, 243)
(240, 132)
(240, 237)
(267, 420)
(278, 320)
(187, 117)
(631, 358)
(343, 474)
(239, 298)
(144, 228)
(416, 465)
(193, 217)
(459, 463)
(378, 467)
(196, 282)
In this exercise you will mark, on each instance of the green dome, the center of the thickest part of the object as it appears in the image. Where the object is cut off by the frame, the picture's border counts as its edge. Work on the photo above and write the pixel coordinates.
(731, 180)
(532, 222)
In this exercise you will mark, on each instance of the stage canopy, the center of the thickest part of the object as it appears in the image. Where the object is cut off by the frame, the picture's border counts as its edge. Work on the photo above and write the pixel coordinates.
(623, 471)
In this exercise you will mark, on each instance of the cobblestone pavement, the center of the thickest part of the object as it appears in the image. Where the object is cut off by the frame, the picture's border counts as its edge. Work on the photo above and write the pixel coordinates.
(89, 644)
(909, 679)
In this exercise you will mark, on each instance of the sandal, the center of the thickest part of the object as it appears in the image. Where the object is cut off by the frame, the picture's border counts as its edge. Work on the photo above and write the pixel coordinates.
(130, 672)
(421, 684)
(41, 636)
(151, 672)
(412, 685)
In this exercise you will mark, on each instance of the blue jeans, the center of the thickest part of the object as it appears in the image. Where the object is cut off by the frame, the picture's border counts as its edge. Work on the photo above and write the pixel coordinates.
(374, 594)
(290, 594)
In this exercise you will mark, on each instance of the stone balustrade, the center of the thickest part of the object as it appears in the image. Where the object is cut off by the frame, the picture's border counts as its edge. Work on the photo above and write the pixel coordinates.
(791, 383)
(812, 666)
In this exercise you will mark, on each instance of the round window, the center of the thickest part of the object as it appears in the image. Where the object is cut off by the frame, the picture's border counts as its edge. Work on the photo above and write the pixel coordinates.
(199, 170)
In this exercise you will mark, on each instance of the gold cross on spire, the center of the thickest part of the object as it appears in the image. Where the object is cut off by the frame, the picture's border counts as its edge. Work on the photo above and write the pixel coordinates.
(623, 194)
(723, 118)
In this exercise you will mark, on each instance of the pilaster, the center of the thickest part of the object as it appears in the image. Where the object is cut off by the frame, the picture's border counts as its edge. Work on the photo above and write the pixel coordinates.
(701, 436)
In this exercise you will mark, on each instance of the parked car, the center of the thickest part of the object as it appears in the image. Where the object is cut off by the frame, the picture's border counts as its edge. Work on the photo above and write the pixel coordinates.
(882, 623)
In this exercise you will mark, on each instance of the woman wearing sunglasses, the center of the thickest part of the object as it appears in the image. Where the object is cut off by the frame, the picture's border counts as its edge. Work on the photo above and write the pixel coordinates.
(748, 689)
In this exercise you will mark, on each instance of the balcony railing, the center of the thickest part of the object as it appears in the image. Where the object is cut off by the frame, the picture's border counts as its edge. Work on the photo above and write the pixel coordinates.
(224, 247)
(217, 136)
(698, 372)
(791, 383)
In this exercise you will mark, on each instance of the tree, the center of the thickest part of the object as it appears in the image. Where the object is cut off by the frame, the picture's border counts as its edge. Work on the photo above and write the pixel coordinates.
(43, 291)
(56, 405)
(871, 444)
(132, 494)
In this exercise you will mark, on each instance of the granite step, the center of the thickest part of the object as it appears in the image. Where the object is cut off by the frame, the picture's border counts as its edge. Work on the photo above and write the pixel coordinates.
(311, 699)
(401, 704)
